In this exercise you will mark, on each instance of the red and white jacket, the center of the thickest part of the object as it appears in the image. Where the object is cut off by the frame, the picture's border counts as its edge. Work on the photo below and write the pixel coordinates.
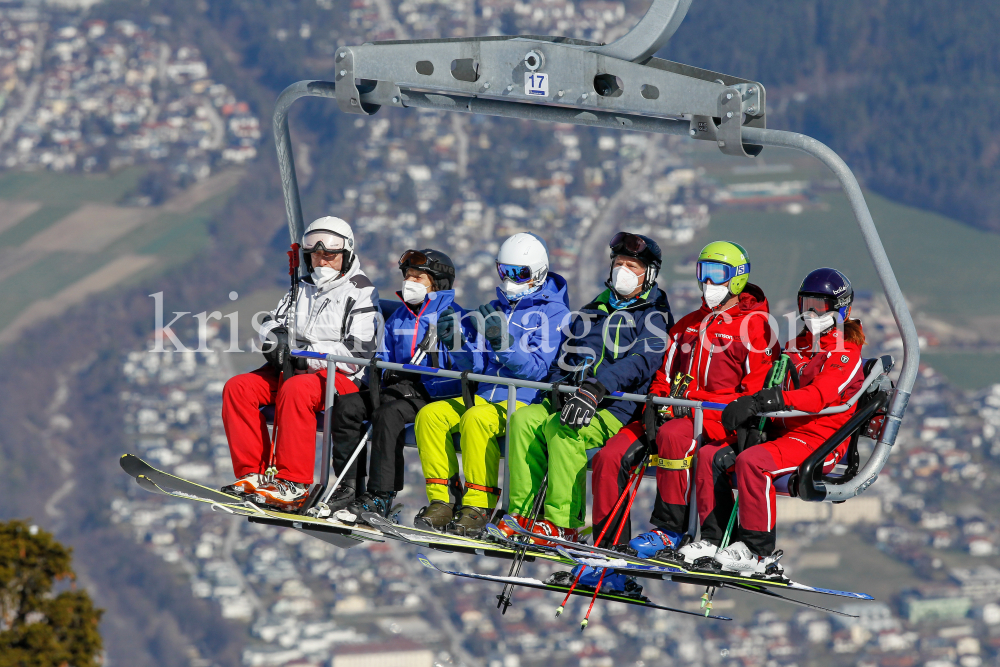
(828, 376)
(726, 352)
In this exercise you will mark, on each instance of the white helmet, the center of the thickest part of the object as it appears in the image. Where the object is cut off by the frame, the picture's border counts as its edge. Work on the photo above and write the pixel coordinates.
(522, 260)
(331, 235)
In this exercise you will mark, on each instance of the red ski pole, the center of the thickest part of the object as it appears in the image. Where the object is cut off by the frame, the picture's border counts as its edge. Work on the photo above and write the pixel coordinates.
(625, 492)
(618, 533)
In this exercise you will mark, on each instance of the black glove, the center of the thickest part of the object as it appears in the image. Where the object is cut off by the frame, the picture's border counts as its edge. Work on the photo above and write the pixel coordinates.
(300, 363)
(495, 328)
(770, 400)
(446, 329)
(582, 406)
(739, 412)
(276, 348)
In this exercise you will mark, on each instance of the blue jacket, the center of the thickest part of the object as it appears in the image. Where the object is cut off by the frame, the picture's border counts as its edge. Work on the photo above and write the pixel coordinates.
(405, 330)
(627, 346)
(535, 322)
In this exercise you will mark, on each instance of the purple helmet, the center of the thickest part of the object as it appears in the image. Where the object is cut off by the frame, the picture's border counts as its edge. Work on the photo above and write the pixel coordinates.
(826, 290)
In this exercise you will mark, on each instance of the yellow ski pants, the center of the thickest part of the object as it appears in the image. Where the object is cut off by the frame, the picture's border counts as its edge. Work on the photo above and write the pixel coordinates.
(479, 427)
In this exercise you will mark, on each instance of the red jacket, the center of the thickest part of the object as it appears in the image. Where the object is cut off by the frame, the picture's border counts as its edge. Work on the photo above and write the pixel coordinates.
(828, 376)
(726, 352)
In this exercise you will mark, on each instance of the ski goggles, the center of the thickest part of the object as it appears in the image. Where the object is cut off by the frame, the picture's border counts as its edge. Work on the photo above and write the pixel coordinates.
(720, 273)
(820, 305)
(414, 259)
(630, 243)
(323, 240)
(515, 273)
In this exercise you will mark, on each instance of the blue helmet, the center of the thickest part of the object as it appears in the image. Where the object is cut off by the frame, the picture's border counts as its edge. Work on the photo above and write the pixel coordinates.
(826, 290)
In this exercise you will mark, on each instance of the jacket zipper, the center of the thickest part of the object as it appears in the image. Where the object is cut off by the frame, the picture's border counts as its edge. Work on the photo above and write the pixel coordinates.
(313, 318)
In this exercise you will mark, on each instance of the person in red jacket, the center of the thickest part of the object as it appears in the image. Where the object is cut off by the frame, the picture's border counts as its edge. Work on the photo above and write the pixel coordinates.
(827, 357)
(725, 347)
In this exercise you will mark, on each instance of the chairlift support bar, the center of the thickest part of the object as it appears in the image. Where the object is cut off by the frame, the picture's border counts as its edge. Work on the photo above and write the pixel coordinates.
(616, 86)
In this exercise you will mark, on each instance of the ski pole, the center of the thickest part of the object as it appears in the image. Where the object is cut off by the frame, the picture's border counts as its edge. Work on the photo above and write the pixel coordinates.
(293, 292)
(621, 525)
(361, 445)
(709, 595)
(415, 360)
(625, 492)
(503, 600)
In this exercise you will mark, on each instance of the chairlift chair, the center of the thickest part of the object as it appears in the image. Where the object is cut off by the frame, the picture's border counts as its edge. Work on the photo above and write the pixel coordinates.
(619, 86)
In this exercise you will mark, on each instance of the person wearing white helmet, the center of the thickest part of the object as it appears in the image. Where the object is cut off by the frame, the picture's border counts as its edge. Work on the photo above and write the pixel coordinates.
(520, 333)
(332, 310)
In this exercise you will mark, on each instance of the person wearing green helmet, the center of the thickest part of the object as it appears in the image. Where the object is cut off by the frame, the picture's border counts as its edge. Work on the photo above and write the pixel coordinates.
(723, 347)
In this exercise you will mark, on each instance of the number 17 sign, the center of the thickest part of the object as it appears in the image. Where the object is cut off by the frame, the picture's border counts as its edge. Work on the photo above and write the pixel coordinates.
(536, 84)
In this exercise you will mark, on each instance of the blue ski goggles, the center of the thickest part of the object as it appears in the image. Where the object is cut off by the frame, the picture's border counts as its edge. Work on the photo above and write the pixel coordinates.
(516, 273)
(720, 273)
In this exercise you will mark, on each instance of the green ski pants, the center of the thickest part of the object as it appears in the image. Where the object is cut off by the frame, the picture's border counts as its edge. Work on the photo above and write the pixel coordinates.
(540, 444)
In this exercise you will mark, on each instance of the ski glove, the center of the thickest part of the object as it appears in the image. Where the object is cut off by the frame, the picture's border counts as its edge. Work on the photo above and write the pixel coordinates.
(447, 331)
(276, 348)
(740, 411)
(580, 409)
(494, 328)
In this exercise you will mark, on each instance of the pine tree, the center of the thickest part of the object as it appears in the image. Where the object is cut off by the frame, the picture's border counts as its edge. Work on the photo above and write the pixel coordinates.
(38, 627)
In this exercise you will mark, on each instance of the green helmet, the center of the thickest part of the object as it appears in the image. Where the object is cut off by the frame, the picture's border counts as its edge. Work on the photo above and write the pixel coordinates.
(731, 255)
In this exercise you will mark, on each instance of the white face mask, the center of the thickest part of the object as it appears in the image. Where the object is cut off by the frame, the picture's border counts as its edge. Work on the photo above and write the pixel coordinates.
(818, 325)
(623, 281)
(714, 294)
(514, 290)
(324, 274)
(414, 292)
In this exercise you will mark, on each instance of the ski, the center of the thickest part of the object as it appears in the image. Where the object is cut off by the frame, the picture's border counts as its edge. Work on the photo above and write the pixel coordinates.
(760, 590)
(177, 487)
(529, 582)
(653, 567)
(448, 543)
(135, 466)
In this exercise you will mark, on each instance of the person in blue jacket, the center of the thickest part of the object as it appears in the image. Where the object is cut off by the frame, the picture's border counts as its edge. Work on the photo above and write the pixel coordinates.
(519, 333)
(410, 337)
(616, 343)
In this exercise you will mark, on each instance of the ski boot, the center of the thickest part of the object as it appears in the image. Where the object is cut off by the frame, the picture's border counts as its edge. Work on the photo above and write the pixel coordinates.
(282, 495)
(376, 503)
(246, 485)
(435, 516)
(614, 583)
(521, 521)
(655, 541)
(545, 528)
(699, 554)
(469, 521)
(342, 498)
(738, 558)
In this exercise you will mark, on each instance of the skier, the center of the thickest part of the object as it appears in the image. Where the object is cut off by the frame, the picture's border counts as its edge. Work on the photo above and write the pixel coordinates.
(428, 304)
(827, 356)
(622, 334)
(723, 346)
(333, 310)
(520, 334)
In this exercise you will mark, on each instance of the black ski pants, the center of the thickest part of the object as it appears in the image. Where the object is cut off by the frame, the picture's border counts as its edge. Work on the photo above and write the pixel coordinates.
(398, 408)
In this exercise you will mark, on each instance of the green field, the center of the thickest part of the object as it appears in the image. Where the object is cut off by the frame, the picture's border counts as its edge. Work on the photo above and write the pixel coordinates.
(945, 268)
(169, 239)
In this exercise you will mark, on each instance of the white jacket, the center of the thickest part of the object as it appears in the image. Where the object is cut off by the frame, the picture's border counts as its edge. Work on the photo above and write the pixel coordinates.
(340, 316)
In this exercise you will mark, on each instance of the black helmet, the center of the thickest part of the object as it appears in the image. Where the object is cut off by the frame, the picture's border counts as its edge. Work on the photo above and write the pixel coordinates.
(832, 289)
(642, 248)
(436, 263)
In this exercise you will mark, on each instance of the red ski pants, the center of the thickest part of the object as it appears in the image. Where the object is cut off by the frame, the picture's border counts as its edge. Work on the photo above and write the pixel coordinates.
(612, 466)
(756, 469)
(296, 404)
